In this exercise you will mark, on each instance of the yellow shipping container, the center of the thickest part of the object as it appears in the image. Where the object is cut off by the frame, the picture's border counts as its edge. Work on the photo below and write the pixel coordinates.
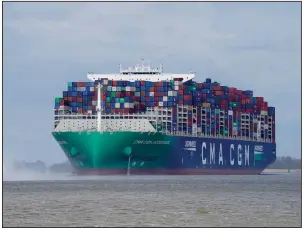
(206, 105)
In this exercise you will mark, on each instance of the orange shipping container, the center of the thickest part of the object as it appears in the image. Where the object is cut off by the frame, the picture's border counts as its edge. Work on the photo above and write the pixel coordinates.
(218, 92)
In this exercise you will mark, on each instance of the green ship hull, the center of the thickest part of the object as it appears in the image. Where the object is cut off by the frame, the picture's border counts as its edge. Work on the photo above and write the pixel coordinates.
(111, 151)
(157, 153)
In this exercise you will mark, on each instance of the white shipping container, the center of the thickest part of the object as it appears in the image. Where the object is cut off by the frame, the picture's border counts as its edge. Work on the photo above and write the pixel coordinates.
(117, 105)
(94, 103)
(89, 111)
(170, 93)
(105, 81)
(176, 88)
(264, 112)
(83, 88)
(127, 88)
(160, 104)
(78, 88)
(164, 98)
(66, 108)
(91, 88)
(151, 94)
(113, 88)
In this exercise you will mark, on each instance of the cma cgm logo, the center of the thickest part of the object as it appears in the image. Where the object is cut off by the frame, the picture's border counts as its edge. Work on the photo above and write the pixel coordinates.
(234, 154)
(190, 145)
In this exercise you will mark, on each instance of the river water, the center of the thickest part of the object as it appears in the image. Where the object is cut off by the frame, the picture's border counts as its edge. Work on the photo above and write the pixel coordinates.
(154, 201)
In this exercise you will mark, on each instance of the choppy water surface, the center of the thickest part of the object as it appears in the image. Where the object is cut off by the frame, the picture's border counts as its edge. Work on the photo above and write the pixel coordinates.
(171, 201)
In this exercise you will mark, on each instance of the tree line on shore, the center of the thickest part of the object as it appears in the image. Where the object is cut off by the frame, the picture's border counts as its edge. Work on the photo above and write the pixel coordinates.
(282, 162)
(286, 162)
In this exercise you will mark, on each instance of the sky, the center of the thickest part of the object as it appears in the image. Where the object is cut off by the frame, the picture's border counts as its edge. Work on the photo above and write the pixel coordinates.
(254, 46)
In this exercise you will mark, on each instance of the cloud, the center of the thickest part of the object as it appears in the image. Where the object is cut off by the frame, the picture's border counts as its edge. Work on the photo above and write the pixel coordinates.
(245, 45)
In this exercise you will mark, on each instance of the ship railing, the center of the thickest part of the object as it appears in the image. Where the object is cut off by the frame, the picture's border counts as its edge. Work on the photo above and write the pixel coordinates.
(144, 116)
(105, 116)
(202, 135)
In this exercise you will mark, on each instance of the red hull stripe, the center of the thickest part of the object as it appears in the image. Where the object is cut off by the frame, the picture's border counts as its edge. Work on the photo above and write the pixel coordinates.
(118, 171)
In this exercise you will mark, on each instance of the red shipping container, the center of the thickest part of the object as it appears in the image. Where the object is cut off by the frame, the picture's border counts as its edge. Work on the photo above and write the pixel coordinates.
(142, 83)
(159, 94)
(224, 107)
(259, 99)
(80, 110)
(187, 97)
(244, 97)
(232, 89)
(70, 99)
(80, 99)
(142, 93)
(74, 99)
(223, 102)
(90, 103)
(61, 102)
(114, 83)
(180, 102)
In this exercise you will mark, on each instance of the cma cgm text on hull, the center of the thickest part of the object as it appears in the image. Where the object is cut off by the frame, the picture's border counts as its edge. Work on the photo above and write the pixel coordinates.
(220, 126)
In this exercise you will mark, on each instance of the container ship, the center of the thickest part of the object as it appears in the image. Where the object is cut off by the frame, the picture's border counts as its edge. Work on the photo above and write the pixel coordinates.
(144, 121)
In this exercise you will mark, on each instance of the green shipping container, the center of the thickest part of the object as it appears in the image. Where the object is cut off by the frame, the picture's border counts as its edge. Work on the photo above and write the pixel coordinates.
(69, 84)
(192, 88)
(107, 100)
(122, 100)
(57, 100)
(113, 94)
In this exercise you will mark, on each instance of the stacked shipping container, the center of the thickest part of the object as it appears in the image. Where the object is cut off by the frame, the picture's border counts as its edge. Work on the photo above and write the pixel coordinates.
(206, 107)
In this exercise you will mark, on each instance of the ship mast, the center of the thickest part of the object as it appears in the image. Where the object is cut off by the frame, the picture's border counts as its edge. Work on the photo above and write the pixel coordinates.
(99, 107)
